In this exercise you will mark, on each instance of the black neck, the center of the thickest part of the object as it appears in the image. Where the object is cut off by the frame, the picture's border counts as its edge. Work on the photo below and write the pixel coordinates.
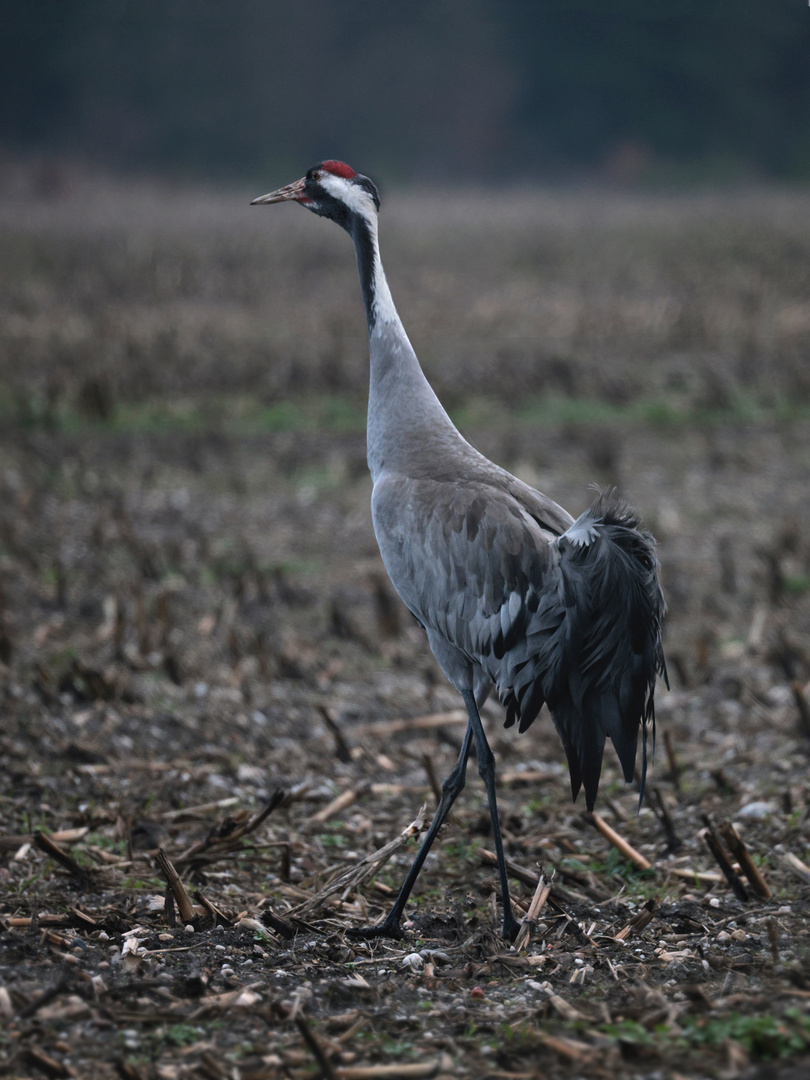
(364, 248)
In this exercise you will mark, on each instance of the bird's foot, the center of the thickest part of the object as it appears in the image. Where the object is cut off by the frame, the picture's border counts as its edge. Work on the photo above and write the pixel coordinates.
(511, 926)
(385, 929)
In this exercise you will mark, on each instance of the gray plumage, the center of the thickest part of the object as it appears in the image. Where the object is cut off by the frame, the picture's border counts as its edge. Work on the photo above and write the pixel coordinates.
(513, 594)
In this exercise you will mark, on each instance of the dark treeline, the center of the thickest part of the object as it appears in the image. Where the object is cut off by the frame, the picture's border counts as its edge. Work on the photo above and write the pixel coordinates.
(478, 87)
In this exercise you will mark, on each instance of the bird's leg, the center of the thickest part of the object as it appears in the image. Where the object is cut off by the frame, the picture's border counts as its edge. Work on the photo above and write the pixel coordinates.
(451, 789)
(486, 768)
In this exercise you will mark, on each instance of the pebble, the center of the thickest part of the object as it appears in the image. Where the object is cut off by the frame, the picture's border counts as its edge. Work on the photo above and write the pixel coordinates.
(477, 994)
(739, 935)
(414, 961)
(756, 811)
(715, 901)
(438, 956)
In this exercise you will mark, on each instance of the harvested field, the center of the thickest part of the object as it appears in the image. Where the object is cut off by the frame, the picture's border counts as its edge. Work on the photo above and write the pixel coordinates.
(200, 652)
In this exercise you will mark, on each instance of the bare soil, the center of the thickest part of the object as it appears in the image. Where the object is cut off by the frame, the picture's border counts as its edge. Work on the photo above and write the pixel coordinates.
(200, 652)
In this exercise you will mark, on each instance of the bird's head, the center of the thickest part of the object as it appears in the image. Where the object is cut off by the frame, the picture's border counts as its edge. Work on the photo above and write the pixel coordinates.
(333, 190)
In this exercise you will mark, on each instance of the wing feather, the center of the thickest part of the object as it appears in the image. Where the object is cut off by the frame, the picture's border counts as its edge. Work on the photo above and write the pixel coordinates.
(548, 610)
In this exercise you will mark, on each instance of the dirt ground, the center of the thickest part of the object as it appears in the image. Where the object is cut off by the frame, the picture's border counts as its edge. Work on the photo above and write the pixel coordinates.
(200, 652)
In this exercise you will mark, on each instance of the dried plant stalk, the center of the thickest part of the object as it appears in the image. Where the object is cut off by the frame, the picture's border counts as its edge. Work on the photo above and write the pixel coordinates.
(737, 847)
(619, 842)
(536, 906)
(184, 905)
(364, 870)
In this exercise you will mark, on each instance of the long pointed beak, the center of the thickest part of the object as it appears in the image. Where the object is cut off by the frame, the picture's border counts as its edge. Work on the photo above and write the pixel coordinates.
(291, 191)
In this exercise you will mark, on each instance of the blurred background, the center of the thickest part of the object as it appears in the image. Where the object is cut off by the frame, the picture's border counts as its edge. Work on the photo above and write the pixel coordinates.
(596, 224)
(458, 90)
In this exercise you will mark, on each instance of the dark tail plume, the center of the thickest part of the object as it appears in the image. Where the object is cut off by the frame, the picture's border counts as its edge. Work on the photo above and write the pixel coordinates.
(598, 643)
(613, 608)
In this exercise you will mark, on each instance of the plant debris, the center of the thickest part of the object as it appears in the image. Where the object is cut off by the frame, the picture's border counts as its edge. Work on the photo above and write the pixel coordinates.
(219, 746)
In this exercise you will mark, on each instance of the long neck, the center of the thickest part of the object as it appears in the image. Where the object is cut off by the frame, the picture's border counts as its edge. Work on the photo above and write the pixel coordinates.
(408, 429)
(376, 294)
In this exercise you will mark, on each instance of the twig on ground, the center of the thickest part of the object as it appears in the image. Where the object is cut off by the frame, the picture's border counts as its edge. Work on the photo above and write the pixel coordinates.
(571, 922)
(362, 871)
(433, 779)
(417, 723)
(214, 846)
(639, 921)
(675, 769)
(342, 748)
(219, 917)
(11, 842)
(419, 1071)
(44, 998)
(345, 799)
(49, 1065)
(277, 925)
(661, 811)
(528, 877)
(796, 865)
(46, 844)
(619, 842)
(687, 874)
(201, 808)
(317, 1050)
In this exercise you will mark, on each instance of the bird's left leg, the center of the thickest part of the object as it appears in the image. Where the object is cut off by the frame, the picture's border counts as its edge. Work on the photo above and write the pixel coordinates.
(486, 768)
(451, 789)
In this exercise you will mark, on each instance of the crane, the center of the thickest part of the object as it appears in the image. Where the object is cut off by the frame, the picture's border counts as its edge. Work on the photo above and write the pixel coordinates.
(512, 592)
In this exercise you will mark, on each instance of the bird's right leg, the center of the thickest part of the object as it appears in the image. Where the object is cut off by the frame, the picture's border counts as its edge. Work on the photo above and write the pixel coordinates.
(451, 789)
(486, 768)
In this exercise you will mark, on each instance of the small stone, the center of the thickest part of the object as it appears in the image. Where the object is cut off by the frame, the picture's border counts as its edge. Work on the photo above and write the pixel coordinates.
(756, 811)
(715, 901)
(739, 935)
(723, 936)
(477, 994)
(438, 956)
(413, 961)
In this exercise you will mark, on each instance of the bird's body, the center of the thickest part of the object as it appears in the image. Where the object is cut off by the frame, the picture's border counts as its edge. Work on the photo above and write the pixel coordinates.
(511, 591)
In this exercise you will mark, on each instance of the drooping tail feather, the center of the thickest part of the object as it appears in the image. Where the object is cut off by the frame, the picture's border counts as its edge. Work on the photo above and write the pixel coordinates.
(596, 643)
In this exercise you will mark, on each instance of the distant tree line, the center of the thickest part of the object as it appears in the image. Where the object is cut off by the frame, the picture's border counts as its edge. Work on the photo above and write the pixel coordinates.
(449, 88)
